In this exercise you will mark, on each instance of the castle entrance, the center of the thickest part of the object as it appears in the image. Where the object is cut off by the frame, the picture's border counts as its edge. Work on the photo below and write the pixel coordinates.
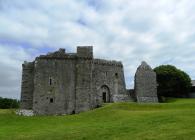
(105, 94)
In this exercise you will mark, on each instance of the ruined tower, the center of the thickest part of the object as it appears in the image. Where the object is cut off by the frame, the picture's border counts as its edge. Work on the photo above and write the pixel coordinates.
(145, 84)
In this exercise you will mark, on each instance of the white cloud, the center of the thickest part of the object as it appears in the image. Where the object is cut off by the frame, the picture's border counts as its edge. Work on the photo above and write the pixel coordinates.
(159, 32)
(10, 70)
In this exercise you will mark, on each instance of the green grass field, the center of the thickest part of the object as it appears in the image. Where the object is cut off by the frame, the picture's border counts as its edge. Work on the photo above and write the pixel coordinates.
(174, 120)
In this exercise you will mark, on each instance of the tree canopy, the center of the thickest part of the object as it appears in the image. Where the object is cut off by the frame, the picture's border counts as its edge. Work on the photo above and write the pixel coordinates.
(6, 103)
(172, 82)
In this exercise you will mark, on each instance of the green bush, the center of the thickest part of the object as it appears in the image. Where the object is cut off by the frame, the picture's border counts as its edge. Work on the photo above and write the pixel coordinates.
(172, 82)
(6, 103)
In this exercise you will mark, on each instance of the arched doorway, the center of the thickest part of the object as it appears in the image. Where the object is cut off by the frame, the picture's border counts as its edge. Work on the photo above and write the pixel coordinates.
(105, 92)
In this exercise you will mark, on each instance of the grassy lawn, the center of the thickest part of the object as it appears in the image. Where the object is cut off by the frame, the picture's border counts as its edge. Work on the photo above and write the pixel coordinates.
(174, 120)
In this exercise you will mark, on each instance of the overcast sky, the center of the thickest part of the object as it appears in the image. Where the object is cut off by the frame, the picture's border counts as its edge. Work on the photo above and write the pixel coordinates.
(157, 31)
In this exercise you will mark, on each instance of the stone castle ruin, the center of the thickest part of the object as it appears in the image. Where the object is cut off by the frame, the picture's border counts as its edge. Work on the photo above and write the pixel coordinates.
(145, 84)
(68, 83)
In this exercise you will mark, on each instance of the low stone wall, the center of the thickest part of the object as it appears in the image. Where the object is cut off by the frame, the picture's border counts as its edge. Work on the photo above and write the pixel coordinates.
(147, 99)
(25, 112)
(122, 98)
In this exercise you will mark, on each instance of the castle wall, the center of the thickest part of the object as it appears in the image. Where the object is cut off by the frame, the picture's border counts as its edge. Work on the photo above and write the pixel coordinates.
(83, 79)
(68, 83)
(27, 85)
(108, 74)
(54, 82)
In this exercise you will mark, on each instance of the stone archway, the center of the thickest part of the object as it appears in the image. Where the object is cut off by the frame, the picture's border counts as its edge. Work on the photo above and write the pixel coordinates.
(105, 93)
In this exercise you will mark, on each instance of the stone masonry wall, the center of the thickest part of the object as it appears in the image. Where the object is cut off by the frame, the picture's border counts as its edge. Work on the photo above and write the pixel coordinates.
(68, 83)
(27, 85)
(83, 79)
(145, 84)
(108, 74)
(54, 91)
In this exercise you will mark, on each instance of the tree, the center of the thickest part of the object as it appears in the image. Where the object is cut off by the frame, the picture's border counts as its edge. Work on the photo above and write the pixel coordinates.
(172, 82)
(6, 103)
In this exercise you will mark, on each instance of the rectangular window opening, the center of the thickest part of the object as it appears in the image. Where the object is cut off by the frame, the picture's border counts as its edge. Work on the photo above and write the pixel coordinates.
(51, 100)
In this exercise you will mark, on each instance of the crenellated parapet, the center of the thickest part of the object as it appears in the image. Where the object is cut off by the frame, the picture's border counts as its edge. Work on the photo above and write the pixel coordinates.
(60, 54)
(27, 65)
(109, 63)
(83, 52)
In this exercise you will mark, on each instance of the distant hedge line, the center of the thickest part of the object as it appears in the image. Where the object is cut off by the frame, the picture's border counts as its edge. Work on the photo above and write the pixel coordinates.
(6, 103)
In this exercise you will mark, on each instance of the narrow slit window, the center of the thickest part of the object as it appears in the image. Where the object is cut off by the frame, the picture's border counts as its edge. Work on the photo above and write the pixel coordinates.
(50, 81)
(116, 75)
